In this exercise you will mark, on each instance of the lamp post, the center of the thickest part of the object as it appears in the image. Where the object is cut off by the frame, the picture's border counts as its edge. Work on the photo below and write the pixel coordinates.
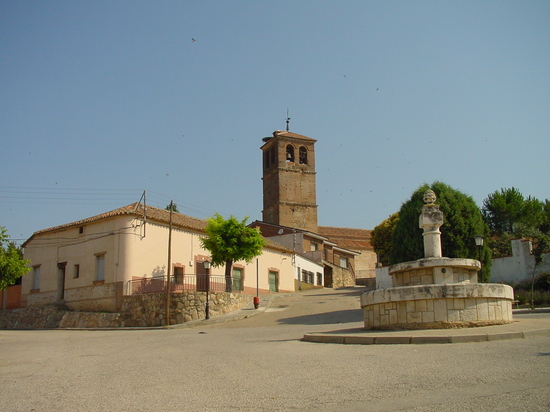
(207, 269)
(479, 244)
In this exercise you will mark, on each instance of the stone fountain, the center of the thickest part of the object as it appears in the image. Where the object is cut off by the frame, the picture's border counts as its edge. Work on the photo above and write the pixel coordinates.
(436, 292)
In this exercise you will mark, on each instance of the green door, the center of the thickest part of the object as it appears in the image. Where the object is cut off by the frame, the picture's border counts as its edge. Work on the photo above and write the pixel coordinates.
(238, 279)
(273, 281)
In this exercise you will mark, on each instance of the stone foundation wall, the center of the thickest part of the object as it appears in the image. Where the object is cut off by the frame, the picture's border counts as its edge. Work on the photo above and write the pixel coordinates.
(150, 309)
(100, 297)
(36, 298)
(342, 277)
(138, 310)
(438, 306)
(53, 317)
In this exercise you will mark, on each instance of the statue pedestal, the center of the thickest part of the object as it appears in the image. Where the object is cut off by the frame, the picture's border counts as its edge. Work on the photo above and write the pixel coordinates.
(436, 292)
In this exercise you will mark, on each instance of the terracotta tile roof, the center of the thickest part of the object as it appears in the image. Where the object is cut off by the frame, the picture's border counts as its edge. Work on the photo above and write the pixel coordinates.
(350, 238)
(179, 220)
(136, 209)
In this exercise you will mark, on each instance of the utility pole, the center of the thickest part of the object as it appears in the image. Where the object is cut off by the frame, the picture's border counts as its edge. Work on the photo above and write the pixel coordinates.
(169, 267)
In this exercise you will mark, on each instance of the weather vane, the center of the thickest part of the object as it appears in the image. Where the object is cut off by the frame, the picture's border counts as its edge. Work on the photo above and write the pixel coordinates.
(287, 120)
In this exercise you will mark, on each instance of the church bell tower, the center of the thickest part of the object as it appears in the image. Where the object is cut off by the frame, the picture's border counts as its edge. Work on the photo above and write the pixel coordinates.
(289, 181)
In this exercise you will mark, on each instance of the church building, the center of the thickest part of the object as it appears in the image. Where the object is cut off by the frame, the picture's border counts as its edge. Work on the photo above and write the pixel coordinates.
(289, 213)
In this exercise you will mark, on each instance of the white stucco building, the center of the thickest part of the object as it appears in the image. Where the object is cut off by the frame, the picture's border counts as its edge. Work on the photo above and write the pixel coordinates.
(91, 263)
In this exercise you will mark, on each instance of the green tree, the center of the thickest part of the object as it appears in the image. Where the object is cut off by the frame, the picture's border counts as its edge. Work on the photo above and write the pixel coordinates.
(12, 264)
(507, 211)
(462, 222)
(229, 240)
(172, 206)
(541, 244)
(545, 227)
(381, 238)
(510, 215)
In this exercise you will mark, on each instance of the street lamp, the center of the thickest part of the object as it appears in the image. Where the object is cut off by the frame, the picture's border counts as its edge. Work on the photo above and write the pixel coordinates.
(479, 244)
(207, 269)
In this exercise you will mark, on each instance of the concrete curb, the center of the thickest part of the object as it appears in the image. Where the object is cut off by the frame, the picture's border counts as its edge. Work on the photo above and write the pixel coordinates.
(351, 339)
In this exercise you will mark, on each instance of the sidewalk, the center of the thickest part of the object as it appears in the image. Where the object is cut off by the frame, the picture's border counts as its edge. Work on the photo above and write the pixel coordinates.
(526, 324)
(246, 312)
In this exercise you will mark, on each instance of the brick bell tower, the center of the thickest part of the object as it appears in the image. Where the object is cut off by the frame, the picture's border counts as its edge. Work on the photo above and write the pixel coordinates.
(289, 181)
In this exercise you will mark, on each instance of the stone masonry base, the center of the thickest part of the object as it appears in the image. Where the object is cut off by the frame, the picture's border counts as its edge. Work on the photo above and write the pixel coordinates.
(438, 306)
(139, 310)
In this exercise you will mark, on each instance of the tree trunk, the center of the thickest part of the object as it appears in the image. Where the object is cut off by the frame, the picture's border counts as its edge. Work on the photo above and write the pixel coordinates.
(228, 268)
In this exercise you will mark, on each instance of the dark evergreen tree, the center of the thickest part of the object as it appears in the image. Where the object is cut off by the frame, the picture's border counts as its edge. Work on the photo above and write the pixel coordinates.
(462, 222)
(510, 215)
(508, 211)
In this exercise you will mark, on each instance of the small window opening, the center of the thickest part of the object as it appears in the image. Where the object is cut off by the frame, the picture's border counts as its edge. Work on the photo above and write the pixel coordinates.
(290, 154)
(81, 230)
(100, 267)
(303, 155)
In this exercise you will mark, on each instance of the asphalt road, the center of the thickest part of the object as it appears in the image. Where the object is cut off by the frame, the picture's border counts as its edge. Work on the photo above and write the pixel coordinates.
(260, 363)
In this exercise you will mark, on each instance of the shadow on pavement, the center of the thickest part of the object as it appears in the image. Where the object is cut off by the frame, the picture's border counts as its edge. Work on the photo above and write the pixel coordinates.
(340, 316)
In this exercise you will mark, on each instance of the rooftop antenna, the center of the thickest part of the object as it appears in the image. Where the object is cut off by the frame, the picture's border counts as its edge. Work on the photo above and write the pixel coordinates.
(287, 120)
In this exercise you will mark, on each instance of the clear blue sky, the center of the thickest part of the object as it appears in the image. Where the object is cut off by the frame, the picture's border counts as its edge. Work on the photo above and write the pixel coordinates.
(103, 99)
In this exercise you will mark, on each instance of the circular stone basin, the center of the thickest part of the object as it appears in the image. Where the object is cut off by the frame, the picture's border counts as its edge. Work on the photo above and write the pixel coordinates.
(436, 271)
(433, 306)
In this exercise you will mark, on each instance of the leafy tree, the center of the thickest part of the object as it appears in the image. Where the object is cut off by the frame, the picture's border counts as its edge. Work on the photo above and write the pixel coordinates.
(229, 240)
(507, 211)
(462, 222)
(545, 227)
(541, 245)
(12, 264)
(381, 238)
(510, 215)
(172, 206)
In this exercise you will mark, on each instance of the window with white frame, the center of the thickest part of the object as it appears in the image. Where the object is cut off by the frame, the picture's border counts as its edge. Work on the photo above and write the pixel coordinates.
(343, 262)
(100, 266)
(36, 277)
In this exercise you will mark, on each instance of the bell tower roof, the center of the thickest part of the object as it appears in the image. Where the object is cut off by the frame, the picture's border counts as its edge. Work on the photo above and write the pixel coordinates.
(290, 135)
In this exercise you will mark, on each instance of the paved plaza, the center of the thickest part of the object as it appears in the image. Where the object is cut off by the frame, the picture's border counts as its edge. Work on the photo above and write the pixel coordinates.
(261, 363)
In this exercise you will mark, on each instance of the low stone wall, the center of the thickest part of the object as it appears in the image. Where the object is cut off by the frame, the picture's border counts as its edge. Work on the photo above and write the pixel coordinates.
(43, 317)
(53, 317)
(92, 320)
(138, 310)
(150, 309)
(438, 306)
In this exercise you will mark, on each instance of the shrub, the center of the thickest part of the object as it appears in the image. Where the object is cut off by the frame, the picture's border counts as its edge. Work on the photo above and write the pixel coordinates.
(542, 282)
